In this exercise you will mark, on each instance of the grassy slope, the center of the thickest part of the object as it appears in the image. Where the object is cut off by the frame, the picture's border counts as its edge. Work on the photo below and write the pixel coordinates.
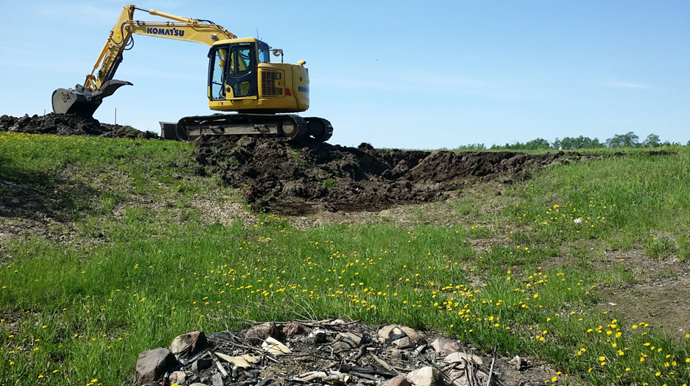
(150, 267)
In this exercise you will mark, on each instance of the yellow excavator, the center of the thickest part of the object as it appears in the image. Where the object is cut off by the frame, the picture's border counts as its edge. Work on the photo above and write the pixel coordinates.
(241, 78)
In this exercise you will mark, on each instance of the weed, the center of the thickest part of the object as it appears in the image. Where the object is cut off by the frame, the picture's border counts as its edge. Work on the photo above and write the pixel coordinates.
(296, 156)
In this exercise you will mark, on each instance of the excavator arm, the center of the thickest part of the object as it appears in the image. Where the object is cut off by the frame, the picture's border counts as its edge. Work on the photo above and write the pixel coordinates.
(100, 83)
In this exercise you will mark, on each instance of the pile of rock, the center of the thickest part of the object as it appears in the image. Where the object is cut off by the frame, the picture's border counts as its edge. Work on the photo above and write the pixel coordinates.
(326, 352)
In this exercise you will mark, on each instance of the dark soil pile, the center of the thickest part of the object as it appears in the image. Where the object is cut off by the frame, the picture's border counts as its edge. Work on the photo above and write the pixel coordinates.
(308, 177)
(68, 124)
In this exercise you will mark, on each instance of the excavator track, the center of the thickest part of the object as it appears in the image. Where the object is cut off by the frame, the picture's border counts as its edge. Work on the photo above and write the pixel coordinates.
(288, 126)
(319, 128)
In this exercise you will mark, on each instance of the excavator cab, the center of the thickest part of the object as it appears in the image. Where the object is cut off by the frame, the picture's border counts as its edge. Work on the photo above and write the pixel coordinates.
(242, 78)
(233, 75)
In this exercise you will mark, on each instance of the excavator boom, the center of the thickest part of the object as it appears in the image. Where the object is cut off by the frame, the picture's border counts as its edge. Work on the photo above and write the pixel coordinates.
(100, 83)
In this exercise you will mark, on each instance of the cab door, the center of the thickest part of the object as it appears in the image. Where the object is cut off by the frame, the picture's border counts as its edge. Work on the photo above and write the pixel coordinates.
(241, 79)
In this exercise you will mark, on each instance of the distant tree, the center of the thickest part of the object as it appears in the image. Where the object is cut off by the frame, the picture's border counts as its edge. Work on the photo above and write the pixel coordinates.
(507, 146)
(623, 140)
(581, 142)
(652, 141)
(537, 144)
(471, 146)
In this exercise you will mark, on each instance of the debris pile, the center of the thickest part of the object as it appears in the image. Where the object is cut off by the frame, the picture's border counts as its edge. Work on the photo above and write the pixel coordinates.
(326, 352)
(69, 124)
(296, 178)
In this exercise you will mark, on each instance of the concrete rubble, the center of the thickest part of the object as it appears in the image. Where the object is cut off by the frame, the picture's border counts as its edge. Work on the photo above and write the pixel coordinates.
(325, 352)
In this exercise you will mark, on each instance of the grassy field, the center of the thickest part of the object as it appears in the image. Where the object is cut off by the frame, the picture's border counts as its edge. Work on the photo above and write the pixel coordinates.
(131, 251)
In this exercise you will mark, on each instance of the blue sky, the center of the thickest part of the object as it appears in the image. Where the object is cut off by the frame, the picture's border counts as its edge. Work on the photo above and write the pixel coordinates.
(406, 74)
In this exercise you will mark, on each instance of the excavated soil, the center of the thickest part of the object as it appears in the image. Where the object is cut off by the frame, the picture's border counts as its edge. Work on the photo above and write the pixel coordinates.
(68, 124)
(298, 178)
(310, 177)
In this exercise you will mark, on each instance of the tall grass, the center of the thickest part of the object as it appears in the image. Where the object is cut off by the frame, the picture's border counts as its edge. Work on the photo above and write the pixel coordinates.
(638, 199)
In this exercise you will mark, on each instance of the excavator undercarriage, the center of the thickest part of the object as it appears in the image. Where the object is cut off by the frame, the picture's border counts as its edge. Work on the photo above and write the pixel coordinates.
(291, 126)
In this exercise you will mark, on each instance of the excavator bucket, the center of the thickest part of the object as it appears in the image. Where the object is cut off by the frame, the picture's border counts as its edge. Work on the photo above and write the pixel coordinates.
(69, 101)
(81, 101)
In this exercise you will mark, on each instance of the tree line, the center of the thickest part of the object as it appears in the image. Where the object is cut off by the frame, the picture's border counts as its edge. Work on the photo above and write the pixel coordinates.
(630, 140)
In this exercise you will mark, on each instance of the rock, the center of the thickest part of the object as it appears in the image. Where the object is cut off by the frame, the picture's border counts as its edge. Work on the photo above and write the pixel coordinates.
(391, 333)
(341, 346)
(152, 364)
(353, 340)
(518, 363)
(201, 364)
(190, 342)
(399, 381)
(415, 337)
(242, 361)
(395, 334)
(445, 346)
(402, 343)
(426, 376)
(293, 328)
(177, 377)
(462, 357)
(259, 333)
(458, 378)
(217, 379)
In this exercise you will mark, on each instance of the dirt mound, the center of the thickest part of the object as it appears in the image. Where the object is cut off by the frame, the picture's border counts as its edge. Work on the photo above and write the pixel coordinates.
(68, 124)
(308, 177)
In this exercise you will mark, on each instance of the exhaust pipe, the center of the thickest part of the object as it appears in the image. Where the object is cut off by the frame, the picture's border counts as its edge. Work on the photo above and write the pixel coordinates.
(84, 102)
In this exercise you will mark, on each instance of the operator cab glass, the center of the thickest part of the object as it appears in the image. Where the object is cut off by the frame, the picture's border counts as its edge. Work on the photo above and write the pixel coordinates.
(218, 73)
(233, 69)
(264, 52)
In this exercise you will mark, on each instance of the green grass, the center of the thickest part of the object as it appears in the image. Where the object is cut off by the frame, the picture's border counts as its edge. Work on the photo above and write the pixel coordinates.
(639, 199)
(75, 312)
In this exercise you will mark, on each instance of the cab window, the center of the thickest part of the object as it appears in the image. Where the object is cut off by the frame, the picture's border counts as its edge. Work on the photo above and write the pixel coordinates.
(218, 74)
(241, 61)
(264, 54)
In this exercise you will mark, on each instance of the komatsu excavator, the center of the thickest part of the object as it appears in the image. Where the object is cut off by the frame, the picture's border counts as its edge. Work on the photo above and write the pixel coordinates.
(241, 78)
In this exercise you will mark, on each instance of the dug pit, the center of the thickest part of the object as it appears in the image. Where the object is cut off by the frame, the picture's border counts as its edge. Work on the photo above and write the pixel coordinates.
(297, 178)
